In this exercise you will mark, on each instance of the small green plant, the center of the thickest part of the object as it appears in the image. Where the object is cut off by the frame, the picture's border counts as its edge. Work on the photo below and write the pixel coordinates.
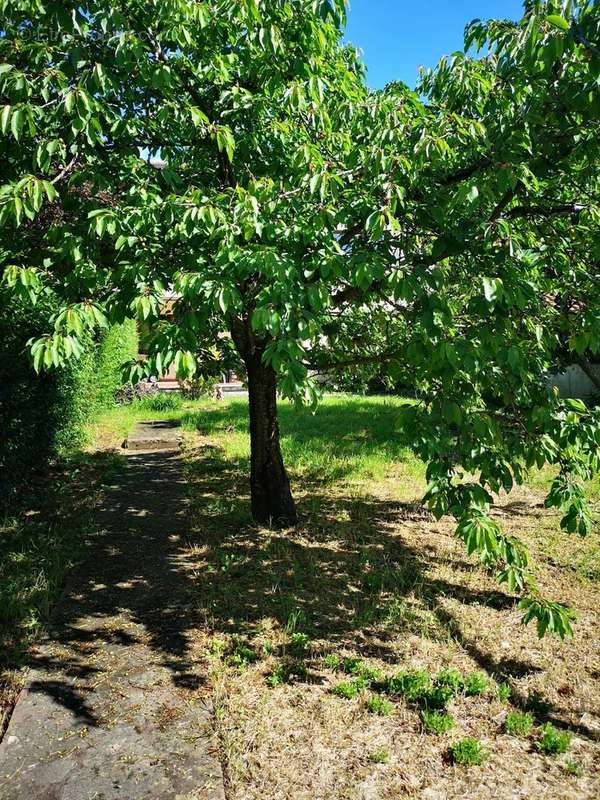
(436, 721)
(348, 689)
(518, 723)
(161, 401)
(450, 678)
(241, 657)
(379, 705)
(414, 684)
(467, 752)
(552, 741)
(439, 696)
(503, 692)
(277, 677)
(332, 661)
(352, 665)
(299, 643)
(476, 683)
(573, 768)
(380, 756)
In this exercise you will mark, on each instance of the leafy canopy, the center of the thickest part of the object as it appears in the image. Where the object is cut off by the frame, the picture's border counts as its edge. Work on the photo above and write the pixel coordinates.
(447, 235)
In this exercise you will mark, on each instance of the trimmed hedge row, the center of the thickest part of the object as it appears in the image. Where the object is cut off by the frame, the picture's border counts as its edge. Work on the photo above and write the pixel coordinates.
(44, 415)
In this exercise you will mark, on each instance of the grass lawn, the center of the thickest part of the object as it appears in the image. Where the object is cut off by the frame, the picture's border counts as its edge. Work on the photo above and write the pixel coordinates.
(369, 575)
(323, 646)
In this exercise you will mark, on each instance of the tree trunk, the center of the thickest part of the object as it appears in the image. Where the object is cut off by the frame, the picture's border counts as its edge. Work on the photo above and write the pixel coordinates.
(272, 501)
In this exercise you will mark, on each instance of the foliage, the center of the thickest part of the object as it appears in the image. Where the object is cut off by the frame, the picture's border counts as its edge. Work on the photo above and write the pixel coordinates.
(379, 705)
(349, 689)
(136, 391)
(518, 723)
(476, 683)
(117, 347)
(42, 417)
(467, 752)
(160, 401)
(552, 741)
(412, 684)
(436, 722)
(198, 386)
(504, 692)
(450, 234)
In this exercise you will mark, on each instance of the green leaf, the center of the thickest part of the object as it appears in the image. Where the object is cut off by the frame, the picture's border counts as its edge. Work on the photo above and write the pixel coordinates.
(559, 22)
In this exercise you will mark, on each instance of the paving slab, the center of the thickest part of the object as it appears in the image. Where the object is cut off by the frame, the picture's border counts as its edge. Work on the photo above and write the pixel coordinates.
(115, 707)
(154, 435)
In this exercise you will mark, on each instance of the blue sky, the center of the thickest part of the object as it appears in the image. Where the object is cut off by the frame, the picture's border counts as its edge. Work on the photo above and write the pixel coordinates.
(397, 36)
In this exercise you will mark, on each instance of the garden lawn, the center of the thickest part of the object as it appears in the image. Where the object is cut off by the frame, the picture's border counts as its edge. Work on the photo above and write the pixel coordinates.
(368, 574)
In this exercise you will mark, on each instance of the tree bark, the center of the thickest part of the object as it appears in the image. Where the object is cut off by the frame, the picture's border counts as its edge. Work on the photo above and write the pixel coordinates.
(272, 501)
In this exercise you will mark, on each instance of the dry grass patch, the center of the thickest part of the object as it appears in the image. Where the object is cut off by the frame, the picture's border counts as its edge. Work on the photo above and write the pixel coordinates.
(369, 575)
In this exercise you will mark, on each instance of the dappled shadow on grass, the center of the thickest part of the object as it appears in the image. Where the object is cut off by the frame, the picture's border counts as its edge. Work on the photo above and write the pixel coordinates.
(344, 576)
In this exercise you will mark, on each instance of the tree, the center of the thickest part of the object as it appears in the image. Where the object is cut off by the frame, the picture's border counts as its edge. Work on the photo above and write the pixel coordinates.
(453, 238)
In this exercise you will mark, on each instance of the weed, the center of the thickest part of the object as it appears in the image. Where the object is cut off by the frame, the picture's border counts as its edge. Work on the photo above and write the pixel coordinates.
(573, 768)
(277, 677)
(552, 741)
(295, 621)
(503, 692)
(518, 723)
(332, 661)
(436, 721)
(162, 401)
(379, 705)
(467, 752)
(476, 683)
(241, 657)
(299, 643)
(439, 696)
(349, 689)
(450, 678)
(414, 684)
(351, 666)
(380, 756)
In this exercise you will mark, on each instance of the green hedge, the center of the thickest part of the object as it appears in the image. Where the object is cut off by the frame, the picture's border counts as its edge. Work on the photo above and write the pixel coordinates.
(117, 346)
(44, 415)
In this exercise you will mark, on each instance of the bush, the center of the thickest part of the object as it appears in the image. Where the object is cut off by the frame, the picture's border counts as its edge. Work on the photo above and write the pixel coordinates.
(467, 752)
(42, 416)
(116, 347)
(135, 391)
(198, 387)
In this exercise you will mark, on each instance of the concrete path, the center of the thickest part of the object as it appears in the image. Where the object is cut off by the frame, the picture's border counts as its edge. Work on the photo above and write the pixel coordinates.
(114, 707)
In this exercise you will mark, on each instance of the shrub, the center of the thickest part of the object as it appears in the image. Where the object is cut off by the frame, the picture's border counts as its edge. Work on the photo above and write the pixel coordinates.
(436, 722)
(552, 741)
(116, 347)
(136, 391)
(518, 723)
(379, 705)
(198, 387)
(476, 683)
(467, 752)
